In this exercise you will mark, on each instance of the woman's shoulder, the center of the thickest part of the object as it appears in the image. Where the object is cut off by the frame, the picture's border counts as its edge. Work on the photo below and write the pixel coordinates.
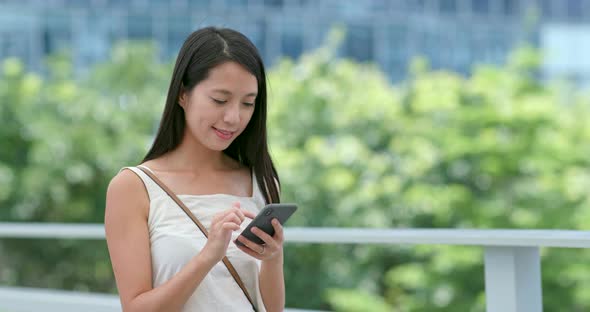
(126, 189)
(125, 179)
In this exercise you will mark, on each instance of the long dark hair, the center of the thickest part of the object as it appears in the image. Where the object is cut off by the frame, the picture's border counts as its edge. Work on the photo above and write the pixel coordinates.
(203, 50)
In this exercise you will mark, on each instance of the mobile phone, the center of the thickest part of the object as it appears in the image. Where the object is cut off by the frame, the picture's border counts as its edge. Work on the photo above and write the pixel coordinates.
(263, 219)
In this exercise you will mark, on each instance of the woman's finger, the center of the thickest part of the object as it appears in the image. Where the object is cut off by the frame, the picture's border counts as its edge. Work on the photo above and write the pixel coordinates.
(230, 226)
(232, 217)
(250, 252)
(219, 216)
(248, 214)
(250, 244)
(278, 230)
(239, 213)
(267, 239)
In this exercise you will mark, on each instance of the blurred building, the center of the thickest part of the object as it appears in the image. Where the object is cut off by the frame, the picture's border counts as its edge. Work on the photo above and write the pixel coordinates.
(452, 34)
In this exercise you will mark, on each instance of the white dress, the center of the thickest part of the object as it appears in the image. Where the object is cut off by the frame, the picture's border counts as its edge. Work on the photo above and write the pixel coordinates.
(175, 239)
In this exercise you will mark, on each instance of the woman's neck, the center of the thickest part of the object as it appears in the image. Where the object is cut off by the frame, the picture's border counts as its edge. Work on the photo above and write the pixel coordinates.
(192, 156)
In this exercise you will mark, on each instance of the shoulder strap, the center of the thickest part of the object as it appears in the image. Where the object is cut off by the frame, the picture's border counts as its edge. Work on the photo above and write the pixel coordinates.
(225, 260)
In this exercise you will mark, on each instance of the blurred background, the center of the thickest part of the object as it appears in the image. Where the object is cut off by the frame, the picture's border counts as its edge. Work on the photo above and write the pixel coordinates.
(452, 34)
(382, 114)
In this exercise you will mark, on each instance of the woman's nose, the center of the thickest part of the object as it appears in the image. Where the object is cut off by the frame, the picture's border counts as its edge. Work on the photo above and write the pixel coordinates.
(232, 114)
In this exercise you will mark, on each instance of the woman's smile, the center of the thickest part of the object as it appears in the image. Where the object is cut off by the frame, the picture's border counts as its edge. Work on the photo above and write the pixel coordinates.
(223, 134)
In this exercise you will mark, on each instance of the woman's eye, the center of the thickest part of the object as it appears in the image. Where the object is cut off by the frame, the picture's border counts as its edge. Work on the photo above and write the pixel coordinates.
(218, 101)
(248, 104)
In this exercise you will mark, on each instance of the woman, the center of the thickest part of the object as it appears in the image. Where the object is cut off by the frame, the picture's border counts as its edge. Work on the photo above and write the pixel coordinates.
(211, 151)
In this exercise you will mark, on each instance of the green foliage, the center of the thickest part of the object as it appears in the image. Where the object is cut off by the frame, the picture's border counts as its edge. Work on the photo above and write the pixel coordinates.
(354, 301)
(493, 150)
(62, 140)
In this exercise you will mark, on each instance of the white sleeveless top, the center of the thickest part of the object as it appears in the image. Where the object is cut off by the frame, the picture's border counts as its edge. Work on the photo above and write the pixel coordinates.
(175, 239)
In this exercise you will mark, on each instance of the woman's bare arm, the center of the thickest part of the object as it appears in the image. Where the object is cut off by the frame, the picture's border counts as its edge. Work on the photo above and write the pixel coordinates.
(272, 281)
(127, 236)
(272, 284)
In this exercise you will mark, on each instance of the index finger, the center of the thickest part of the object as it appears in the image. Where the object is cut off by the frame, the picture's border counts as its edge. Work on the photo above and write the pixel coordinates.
(239, 213)
(223, 214)
(249, 214)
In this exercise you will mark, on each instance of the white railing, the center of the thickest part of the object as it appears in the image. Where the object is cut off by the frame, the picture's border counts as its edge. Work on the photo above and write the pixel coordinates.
(511, 257)
(21, 299)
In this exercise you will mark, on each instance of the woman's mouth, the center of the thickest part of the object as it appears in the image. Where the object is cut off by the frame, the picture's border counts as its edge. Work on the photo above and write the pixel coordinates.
(224, 134)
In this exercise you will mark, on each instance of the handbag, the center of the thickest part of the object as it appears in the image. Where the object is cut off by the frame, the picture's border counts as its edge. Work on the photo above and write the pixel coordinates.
(225, 260)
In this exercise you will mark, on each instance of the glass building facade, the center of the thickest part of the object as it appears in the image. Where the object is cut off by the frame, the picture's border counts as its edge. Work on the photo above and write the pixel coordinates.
(452, 34)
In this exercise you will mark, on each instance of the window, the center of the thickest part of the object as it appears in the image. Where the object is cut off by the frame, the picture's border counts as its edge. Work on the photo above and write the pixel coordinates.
(139, 26)
(233, 4)
(273, 3)
(480, 6)
(379, 5)
(448, 6)
(575, 9)
(56, 33)
(14, 44)
(359, 42)
(415, 5)
(398, 47)
(255, 31)
(547, 9)
(291, 41)
(178, 29)
(510, 7)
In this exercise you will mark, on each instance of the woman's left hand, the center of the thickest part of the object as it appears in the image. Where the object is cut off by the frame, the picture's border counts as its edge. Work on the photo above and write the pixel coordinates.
(272, 247)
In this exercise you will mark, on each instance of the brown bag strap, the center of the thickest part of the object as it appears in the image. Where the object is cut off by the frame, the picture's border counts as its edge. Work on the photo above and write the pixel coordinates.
(225, 260)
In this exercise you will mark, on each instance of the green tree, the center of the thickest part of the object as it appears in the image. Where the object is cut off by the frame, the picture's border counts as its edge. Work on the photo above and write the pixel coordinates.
(63, 136)
(497, 149)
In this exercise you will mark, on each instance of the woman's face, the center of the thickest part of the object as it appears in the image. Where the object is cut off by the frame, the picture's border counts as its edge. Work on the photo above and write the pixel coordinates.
(219, 108)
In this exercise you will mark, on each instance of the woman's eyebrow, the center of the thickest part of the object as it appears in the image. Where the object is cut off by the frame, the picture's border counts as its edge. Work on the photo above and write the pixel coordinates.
(222, 91)
(227, 92)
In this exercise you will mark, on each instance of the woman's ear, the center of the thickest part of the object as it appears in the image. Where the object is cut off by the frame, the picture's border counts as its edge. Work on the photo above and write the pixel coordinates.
(183, 97)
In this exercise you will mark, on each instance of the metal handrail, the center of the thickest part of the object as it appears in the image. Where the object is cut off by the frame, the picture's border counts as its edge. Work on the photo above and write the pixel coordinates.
(511, 256)
(468, 237)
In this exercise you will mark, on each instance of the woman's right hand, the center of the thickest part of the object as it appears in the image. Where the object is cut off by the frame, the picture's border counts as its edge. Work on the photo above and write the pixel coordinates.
(220, 231)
